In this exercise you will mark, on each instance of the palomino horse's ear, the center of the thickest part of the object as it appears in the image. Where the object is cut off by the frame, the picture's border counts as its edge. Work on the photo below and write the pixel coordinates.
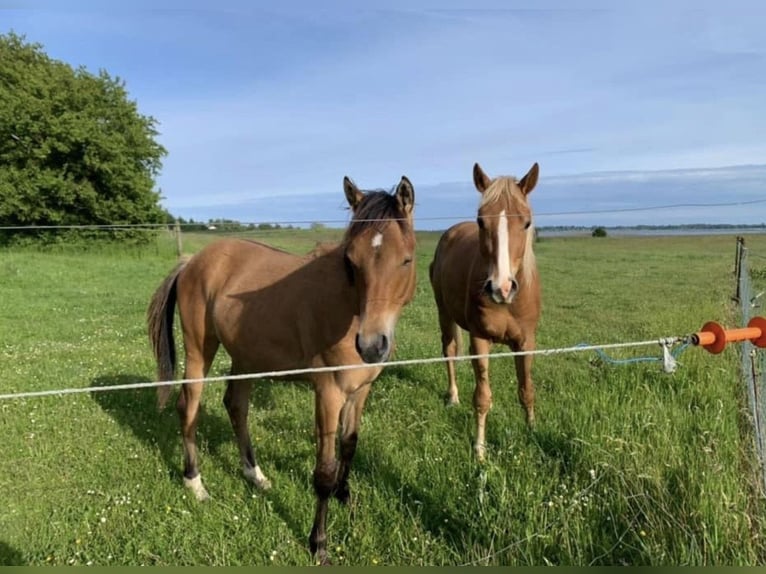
(529, 181)
(353, 195)
(405, 195)
(480, 179)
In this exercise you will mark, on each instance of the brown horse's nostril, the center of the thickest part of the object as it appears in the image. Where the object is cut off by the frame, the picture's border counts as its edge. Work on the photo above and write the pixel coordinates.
(514, 286)
(374, 350)
(382, 345)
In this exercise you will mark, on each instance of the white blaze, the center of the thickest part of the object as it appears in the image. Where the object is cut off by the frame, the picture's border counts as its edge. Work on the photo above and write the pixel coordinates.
(503, 263)
(377, 241)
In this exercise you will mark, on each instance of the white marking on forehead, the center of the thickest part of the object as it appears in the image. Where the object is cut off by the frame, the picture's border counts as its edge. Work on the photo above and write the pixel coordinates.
(503, 263)
(377, 241)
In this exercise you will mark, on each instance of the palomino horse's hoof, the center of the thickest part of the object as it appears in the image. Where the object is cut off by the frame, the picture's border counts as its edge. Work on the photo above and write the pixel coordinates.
(481, 452)
(195, 485)
(451, 401)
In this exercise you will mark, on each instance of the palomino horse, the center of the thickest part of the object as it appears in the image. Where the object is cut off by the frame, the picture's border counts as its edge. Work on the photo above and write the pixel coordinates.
(272, 310)
(485, 281)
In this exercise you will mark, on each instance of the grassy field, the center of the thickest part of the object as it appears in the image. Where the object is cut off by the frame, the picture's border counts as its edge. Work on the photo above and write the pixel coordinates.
(627, 464)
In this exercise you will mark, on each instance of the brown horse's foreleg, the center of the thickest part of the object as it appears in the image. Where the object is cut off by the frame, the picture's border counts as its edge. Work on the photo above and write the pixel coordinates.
(237, 403)
(450, 348)
(188, 412)
(524, 376)
(482, 395)
(329, 401)
(351, 418)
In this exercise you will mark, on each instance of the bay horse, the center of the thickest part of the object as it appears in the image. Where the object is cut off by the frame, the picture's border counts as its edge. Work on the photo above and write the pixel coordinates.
(272, 310)
(485, 281)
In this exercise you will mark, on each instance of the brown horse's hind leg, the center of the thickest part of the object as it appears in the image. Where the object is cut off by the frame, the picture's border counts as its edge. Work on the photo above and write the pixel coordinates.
(482, 395)
(188, 412)
(329, 401)
(450, 348)
(524, 376)
(237, 403)
(198, 362)
(351, 417)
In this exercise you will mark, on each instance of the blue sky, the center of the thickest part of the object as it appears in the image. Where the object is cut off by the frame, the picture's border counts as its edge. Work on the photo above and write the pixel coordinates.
(264, 109)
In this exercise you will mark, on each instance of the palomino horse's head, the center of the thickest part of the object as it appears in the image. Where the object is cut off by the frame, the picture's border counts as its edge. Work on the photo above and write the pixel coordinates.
(380, 257)
(505, 231)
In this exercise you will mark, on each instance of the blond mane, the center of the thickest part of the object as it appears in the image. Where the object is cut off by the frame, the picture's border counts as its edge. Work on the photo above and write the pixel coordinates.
(501, 187)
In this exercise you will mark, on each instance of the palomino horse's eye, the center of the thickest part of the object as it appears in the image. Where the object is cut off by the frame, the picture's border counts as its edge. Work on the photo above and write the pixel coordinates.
(480, 222)
(527, 224)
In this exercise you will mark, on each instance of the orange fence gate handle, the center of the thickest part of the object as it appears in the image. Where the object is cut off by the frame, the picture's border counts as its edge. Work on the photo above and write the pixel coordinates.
(713, 337)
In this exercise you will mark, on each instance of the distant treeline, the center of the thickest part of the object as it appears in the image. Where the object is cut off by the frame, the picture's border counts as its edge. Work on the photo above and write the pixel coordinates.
(655, 227)
(227, 225)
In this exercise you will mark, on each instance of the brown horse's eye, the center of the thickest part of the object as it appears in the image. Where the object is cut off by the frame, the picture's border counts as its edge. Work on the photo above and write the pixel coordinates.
(407, 261)
(480, 223)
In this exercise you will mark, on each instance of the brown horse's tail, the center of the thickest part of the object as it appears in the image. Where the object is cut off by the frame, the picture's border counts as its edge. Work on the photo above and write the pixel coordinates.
(160, 320)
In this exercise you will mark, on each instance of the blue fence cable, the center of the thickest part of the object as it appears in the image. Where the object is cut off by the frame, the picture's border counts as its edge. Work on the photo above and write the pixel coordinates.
(675, 353)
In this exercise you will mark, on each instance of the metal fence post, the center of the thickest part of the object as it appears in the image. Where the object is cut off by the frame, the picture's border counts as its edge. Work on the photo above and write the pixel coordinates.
(738, 266)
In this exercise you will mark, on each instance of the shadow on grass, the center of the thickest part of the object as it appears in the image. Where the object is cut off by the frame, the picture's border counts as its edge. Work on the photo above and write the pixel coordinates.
(135, 410)
(558, 447)
(418, 498)
(9, 556)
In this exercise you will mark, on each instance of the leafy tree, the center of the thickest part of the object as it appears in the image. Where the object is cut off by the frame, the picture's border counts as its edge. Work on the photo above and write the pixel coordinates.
(74, 150)
(598, 232)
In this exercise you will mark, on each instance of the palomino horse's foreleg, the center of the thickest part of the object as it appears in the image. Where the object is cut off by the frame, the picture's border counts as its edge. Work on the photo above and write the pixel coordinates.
(450, 348)
(351, 418)
(329, 401)
(188, 412)
(482, 395)
(524, 376)
(237, 403)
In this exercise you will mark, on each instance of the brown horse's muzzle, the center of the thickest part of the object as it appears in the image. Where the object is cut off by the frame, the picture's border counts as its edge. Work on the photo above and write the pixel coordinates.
(374, 348)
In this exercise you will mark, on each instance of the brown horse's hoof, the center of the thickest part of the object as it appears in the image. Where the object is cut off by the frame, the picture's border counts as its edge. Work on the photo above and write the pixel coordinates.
(321, 558)
(343, 495)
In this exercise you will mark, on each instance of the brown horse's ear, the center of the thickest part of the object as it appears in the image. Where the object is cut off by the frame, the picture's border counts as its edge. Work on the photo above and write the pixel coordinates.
(480, 179)
(353, 195)
(529, 181)
(405, 195)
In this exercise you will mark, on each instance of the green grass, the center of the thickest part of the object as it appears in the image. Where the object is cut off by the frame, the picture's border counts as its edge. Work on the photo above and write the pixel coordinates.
(627, 464)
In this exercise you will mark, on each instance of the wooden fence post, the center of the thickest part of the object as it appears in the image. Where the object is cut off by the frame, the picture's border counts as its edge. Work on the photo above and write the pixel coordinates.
(179, 242)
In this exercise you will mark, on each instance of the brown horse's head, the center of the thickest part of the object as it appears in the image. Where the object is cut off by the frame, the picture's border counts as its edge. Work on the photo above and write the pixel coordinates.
(505, 231)
(380, 257)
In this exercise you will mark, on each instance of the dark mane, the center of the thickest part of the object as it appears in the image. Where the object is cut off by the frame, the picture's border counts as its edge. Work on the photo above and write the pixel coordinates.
(375, 210)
